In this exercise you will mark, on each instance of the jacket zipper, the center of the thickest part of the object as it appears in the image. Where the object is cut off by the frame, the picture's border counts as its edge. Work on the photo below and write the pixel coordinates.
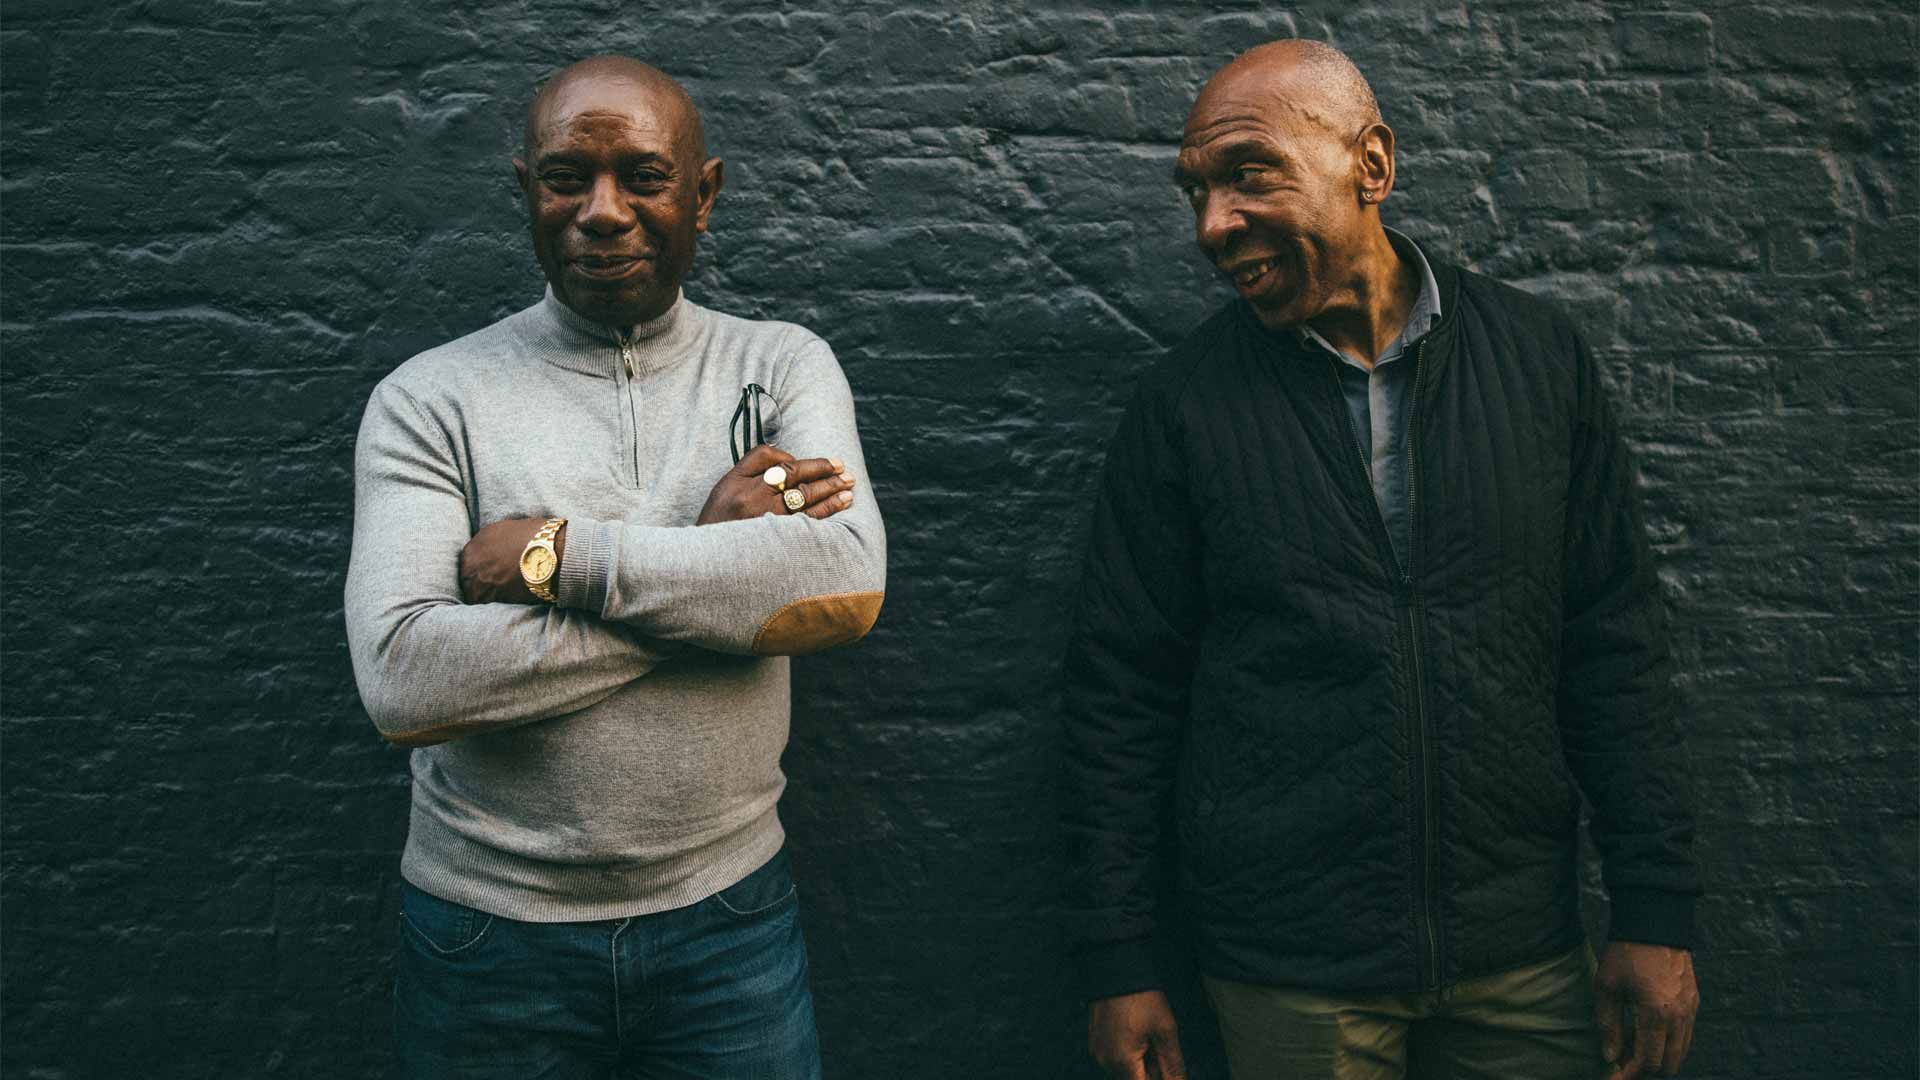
(633, 409)
(1416, 616)
(1407, 598)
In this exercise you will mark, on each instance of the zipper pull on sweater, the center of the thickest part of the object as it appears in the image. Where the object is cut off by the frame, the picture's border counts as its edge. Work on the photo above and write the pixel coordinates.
(626, 351)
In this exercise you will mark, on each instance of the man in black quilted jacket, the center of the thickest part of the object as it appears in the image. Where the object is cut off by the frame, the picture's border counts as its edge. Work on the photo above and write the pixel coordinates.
(1368, 609)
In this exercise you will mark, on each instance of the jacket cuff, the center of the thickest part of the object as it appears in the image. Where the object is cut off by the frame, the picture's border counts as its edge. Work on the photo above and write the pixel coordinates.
(1652, 917)
(1123, 967)
(584, 569)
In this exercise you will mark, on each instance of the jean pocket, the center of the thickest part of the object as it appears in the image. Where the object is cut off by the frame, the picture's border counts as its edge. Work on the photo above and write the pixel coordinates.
(442, 926)
(760, 893)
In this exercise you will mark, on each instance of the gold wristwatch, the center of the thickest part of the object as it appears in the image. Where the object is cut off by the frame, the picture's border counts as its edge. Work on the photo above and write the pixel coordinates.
(538, 560)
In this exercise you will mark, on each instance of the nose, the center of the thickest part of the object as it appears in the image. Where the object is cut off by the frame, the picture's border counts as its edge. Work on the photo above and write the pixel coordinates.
(605, 213)
(1215, 222)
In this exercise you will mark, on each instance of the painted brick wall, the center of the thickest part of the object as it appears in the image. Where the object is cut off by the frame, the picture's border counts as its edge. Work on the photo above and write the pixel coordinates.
(221, 222)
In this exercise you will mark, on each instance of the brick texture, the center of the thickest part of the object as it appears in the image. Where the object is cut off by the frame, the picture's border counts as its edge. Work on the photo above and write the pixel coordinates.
(222, 222)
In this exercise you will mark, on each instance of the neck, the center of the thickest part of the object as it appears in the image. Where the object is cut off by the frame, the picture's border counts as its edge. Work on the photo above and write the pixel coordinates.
(603, 324)
(1368, 312)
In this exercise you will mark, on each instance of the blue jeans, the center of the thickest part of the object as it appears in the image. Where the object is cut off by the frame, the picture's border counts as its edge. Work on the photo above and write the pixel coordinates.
(716, 991)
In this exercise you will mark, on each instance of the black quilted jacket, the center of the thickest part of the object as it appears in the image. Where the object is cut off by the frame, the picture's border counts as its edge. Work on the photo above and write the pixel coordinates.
(1375, 778)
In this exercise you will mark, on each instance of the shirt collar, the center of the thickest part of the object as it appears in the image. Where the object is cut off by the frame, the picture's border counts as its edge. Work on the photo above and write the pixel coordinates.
(1426, 307)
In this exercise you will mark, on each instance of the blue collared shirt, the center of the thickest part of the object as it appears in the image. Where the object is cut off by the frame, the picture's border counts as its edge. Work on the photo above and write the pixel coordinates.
(1378, 400)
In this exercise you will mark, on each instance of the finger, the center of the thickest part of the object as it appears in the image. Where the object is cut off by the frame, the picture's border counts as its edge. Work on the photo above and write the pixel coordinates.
(1606, 1014)
(1166, 1053)
(821, 489)
(1679, 1040)
(818, 468)
(1132, 1067)
(830, 506)
(761, 458)
(1649, 1043)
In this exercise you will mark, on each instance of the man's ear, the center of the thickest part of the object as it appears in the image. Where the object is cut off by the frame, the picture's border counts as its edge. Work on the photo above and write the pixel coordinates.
(1375, 164)
(520, 175)
(713, 176)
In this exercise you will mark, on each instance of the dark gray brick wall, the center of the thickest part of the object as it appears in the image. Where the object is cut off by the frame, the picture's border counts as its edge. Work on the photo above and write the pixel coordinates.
(222, 222)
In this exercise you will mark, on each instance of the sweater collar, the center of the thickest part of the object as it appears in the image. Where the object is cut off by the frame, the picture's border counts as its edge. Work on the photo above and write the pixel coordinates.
(568, 339)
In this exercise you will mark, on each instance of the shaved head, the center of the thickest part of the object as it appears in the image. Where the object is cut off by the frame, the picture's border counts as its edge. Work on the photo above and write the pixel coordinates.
(618, 187)
(1285, 161)
(597, 74)
(1310, 79)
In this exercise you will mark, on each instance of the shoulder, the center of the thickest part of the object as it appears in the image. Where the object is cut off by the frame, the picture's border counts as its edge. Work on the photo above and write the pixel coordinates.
(443, 373)
(1190, 364)
(766, 336)
(779, 354)
(1513, 313)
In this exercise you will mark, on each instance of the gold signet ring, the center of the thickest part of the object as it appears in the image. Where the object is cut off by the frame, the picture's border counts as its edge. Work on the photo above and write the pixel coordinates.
(776, 478)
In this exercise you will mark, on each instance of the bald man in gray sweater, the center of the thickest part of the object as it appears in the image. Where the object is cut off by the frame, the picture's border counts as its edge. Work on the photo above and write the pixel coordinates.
(583, 634)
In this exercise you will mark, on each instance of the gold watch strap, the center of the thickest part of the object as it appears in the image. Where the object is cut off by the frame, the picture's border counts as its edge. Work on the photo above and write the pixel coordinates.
(544, 589)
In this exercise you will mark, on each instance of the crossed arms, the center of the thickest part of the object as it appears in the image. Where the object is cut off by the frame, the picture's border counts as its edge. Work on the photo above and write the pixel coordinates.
(433, 667)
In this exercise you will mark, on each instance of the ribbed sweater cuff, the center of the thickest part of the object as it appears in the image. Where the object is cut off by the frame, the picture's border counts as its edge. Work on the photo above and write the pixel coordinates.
(1123, 967)
(587, 565)
(1652, 917)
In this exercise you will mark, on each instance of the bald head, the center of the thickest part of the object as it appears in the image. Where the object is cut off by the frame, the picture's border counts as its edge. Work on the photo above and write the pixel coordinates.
(1308, 79)
(1285, 162)
(618, 188)
(578, 86)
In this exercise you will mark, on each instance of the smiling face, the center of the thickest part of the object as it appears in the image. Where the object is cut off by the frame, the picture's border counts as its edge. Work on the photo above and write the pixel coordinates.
(617, 191)
(1275, 175)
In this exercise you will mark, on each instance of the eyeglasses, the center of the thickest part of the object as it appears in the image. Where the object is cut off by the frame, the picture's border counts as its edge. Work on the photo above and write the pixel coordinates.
(745, 431)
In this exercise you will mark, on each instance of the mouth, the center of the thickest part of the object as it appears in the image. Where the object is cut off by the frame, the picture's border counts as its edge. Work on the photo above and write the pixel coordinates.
(1254, 277)
(606, 267)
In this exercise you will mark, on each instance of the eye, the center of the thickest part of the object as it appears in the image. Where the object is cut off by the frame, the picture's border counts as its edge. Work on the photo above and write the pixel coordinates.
(562, 180)
(647, 179)
(1250, 174)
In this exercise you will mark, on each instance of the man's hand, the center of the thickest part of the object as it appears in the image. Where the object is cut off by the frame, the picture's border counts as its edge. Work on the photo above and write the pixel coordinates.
(742, 493)
(1657, 982)
(490, 563)
(1133, 1037)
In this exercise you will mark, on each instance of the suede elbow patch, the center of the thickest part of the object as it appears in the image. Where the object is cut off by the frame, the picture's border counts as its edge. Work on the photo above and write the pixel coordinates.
(818, 622)
(433, 736)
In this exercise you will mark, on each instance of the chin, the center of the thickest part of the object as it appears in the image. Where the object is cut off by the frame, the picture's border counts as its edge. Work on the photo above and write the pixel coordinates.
(619, 307)
(1277, 312)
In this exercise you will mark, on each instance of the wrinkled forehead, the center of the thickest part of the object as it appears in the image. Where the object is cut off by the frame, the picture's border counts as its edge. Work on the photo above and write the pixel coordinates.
(1274, 99)
(635, 108)
(1241, 113)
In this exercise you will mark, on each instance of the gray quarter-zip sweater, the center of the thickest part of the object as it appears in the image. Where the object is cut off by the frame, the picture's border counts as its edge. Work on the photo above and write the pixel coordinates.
(617, 753)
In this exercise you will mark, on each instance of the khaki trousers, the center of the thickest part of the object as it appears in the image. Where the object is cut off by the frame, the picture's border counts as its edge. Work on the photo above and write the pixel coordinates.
(1532, 1023)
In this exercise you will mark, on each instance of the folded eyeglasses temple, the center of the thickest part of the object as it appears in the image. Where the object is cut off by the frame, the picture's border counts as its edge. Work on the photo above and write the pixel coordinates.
(746, 423)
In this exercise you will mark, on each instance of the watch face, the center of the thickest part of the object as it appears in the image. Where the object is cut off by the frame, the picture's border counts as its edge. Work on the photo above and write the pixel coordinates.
(536, 564)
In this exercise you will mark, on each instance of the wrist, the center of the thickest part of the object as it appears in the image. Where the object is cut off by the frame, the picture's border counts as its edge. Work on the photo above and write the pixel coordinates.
(540, 560)
(1649, 916)
(581, 580)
